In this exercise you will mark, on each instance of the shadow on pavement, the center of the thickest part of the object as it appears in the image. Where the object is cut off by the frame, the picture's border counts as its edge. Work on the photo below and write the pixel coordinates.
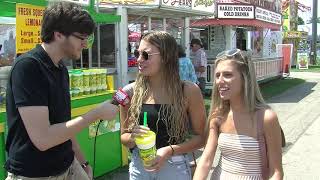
(117, 174)
(294, 94)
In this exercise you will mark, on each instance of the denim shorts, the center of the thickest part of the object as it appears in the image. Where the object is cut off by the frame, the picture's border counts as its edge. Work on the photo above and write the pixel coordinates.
(175, 168)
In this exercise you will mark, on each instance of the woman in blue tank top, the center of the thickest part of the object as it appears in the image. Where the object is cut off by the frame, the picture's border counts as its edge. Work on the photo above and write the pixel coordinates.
(172, 107)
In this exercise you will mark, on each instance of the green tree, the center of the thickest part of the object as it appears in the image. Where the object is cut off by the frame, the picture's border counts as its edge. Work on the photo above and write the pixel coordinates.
(300, 21)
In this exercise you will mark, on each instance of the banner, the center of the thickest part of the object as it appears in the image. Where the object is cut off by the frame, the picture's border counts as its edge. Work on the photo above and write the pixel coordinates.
(235, 11)
(303, 60)
(268, 16)
(286, 20)
(81, 2)
(203, 5)
(295, 34)
(28, 24)
(129, 2)
(285, 51)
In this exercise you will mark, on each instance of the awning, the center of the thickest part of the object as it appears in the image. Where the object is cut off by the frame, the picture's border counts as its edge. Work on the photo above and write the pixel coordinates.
(8, 9)
(235, 22)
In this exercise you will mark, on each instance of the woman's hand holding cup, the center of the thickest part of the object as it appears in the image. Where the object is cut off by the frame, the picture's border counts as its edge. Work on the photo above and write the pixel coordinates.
(138, 131)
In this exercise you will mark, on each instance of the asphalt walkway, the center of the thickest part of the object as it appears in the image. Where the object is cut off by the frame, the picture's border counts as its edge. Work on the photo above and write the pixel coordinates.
(299, 115)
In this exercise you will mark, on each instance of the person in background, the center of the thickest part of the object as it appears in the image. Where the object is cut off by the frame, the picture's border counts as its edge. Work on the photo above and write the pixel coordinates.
(241, 124)
(186, 69)
(41, 141)
(1, 56)
(10, 46)
(5, 60)
(199, 62)
(171, 104)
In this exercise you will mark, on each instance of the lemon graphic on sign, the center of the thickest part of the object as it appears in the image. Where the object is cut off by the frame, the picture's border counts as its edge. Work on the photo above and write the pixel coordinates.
(90, 41)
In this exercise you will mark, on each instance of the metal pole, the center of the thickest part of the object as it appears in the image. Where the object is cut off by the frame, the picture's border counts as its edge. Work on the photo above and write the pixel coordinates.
(98, 36)
(186, 35)
(314, 32)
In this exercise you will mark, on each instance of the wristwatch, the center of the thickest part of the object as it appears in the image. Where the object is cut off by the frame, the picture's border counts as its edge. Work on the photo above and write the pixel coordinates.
(84, 165)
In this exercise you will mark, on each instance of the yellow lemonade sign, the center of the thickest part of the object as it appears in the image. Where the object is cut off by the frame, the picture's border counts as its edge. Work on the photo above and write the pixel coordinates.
(286, 20)
(28, 24)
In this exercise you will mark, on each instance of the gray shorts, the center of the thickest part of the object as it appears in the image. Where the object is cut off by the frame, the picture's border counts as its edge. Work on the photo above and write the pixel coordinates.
(176, 168)
(202, 84)
(75, 172)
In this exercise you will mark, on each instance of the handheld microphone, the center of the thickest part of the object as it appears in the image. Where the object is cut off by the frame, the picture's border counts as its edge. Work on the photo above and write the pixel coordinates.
(123, 95)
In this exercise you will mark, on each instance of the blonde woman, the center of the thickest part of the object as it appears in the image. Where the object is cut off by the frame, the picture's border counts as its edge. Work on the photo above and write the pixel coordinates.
(241, 125)
(170, 105)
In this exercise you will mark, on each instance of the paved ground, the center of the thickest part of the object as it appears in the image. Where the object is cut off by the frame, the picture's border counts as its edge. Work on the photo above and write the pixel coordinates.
(299, 115)
(300, 119)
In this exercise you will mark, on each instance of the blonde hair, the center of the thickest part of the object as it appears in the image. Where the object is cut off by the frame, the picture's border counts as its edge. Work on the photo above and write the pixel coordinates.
(252, 97)
(175, 112)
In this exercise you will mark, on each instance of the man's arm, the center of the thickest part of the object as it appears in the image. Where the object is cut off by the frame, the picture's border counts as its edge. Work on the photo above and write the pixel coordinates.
(45, 136)
(200, 69)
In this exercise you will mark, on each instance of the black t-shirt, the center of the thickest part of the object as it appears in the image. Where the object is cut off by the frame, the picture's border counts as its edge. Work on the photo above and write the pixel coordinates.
(36, 81)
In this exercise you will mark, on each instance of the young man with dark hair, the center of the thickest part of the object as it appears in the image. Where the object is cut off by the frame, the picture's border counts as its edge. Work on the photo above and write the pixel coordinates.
(41, 141)
(199, 61)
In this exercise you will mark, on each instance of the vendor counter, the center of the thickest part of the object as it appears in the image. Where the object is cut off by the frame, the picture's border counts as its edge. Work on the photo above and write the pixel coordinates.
(266, 68)
(105, 148)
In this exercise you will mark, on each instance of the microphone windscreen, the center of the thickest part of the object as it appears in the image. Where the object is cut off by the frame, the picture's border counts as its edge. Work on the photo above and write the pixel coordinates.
(129, 89)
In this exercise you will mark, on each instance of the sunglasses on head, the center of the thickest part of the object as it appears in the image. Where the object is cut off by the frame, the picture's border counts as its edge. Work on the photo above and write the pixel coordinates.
(232, 53)
(145, 54)
(228, 53)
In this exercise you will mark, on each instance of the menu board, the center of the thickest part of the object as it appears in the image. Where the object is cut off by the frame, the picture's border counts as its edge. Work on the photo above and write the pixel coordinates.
(303, 60)
(28, 24)
(268, 16)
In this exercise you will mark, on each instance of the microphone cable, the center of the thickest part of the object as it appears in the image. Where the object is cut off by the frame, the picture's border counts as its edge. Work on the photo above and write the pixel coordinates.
(94, 148)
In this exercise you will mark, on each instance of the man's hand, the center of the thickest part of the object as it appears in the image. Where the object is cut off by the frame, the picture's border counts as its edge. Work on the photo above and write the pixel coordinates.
(200, 69)
(105, 111)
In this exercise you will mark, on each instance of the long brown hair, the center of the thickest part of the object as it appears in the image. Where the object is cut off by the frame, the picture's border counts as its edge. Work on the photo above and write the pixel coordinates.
(252, 97)
(175, 112)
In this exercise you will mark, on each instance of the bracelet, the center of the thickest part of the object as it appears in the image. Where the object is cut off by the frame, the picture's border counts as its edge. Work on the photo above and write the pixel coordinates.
(85, 164)
(172, 150)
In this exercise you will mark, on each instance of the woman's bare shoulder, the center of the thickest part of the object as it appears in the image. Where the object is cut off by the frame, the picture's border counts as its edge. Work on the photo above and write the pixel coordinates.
(191, 88)
(270, 118)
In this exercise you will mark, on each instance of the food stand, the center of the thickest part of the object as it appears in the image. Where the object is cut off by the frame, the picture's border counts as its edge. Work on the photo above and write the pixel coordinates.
(141, 16)
(91, 80)
(252, 26)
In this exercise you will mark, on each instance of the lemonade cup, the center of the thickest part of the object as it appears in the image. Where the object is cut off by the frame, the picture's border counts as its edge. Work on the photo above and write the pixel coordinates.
(147, 148)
